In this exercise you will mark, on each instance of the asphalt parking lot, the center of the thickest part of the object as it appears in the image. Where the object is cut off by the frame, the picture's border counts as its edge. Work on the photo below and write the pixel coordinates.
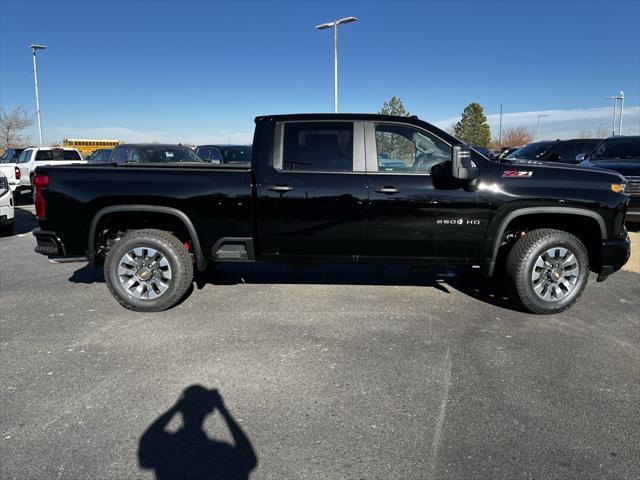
(354, 372)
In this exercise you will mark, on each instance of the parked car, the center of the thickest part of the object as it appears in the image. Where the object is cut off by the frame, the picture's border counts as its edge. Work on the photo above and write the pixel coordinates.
(561, 151)
(100, 155)
(153, 153)
(32, 157)
(7, 215)
(315, 192)
(621, 154)
(8, 167)
(12, 173)
(225, 154)
(505, 151)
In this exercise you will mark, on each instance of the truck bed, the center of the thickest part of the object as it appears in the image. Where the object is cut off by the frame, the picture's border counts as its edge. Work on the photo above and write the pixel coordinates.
(216, 199)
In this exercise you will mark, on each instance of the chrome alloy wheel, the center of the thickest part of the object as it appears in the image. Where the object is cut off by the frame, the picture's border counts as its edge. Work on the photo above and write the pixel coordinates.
(555, 274)
(144, 273)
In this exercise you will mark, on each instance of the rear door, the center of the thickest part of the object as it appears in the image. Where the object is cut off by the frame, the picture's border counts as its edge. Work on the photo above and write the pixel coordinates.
(418, 211)
(312, 199)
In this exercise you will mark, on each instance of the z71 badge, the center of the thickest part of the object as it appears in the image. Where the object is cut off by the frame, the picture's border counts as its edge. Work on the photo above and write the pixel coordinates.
(517, 173)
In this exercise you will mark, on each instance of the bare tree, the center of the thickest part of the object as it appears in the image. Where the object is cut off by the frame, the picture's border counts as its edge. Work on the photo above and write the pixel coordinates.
(451, 129)
(516, 136)
(585, 134)
(602, 132)
(12, 126)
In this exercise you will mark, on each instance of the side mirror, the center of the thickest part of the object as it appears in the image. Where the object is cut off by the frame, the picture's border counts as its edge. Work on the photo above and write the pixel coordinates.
(581, 157)
(462, 167)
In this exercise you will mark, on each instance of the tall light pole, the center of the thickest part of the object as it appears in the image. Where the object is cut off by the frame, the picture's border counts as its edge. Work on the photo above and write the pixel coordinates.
(35, 48)
(500, 130)
(335, 24)
(621, 97)
(615, 99)
(538, 129)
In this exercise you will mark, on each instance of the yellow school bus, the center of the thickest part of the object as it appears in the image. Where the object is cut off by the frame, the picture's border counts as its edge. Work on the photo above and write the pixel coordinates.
(85, 146)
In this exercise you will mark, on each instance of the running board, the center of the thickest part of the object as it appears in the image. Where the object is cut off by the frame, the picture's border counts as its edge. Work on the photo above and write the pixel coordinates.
(68, 259)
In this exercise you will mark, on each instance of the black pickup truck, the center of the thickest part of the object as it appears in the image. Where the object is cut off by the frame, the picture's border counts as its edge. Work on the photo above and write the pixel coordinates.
(338, 188)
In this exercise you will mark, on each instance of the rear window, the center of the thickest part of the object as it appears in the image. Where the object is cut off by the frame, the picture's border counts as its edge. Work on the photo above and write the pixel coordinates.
(160, 154)
(236, 154)
(209, 154)
(54, 155)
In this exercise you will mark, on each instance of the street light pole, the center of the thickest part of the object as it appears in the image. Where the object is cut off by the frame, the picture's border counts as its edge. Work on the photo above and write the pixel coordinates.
(621, 97)
(615, 99)
(538, 129)
(335, 24)
(35, 48)
(500, 130)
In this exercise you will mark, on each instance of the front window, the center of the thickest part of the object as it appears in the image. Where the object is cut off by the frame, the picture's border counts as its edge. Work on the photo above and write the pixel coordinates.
(405, 149)
(318, 146)
(24, 156)
(617, 149)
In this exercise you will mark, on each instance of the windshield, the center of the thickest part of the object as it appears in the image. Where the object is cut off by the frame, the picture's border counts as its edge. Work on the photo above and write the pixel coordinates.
(10, 156)
(168, 154)
(533, 151)
(236, 154)
(617, 149)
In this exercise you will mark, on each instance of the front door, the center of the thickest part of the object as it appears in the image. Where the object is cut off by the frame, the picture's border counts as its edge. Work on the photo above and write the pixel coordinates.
(312, 199)
(418, 211)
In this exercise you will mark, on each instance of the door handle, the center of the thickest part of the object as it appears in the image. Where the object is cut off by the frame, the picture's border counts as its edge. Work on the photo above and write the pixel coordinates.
(280, 188)
(387, 190)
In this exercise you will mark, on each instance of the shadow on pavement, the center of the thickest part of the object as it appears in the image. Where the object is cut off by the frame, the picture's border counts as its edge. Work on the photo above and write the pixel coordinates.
(468, 282)
(25, 221)
(189, 452)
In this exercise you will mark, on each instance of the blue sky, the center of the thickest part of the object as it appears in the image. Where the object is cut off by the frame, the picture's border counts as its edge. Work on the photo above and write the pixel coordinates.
(201, 71)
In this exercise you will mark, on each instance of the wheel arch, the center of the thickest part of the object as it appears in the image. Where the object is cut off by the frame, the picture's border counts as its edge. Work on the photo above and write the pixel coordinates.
(522, 213)
(201, 261)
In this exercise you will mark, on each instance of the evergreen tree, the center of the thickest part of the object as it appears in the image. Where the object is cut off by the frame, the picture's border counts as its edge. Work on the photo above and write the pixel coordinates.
(473, 128)
(390, 145)
(394, 107)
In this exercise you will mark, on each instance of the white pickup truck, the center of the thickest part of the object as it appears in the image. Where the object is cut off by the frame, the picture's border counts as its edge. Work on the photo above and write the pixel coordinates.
(39, 157)
(8, 166)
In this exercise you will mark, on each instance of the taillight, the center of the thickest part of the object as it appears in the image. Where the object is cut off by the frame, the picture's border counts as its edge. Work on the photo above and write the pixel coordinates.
(17, 173)
(40, 181)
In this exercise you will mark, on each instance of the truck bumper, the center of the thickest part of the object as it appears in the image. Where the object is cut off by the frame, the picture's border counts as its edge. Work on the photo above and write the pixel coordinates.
(614, 254)
(48, 243)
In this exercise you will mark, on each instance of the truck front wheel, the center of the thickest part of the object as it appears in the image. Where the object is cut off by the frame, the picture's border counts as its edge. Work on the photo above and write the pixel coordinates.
(148, 270)
(547, 270)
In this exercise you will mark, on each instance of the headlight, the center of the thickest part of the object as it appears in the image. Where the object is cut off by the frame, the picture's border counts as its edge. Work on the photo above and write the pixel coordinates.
(618, 187)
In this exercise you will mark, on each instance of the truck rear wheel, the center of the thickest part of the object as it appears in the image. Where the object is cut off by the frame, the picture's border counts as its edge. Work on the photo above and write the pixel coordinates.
(547, 270)
(148, 270)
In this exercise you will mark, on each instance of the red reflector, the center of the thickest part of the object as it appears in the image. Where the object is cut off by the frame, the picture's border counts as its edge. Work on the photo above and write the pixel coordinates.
(17, 173)
(41, 180)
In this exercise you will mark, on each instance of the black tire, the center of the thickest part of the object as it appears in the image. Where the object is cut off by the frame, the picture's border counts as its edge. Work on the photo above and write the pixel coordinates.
(171, 249)
(521, 262)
